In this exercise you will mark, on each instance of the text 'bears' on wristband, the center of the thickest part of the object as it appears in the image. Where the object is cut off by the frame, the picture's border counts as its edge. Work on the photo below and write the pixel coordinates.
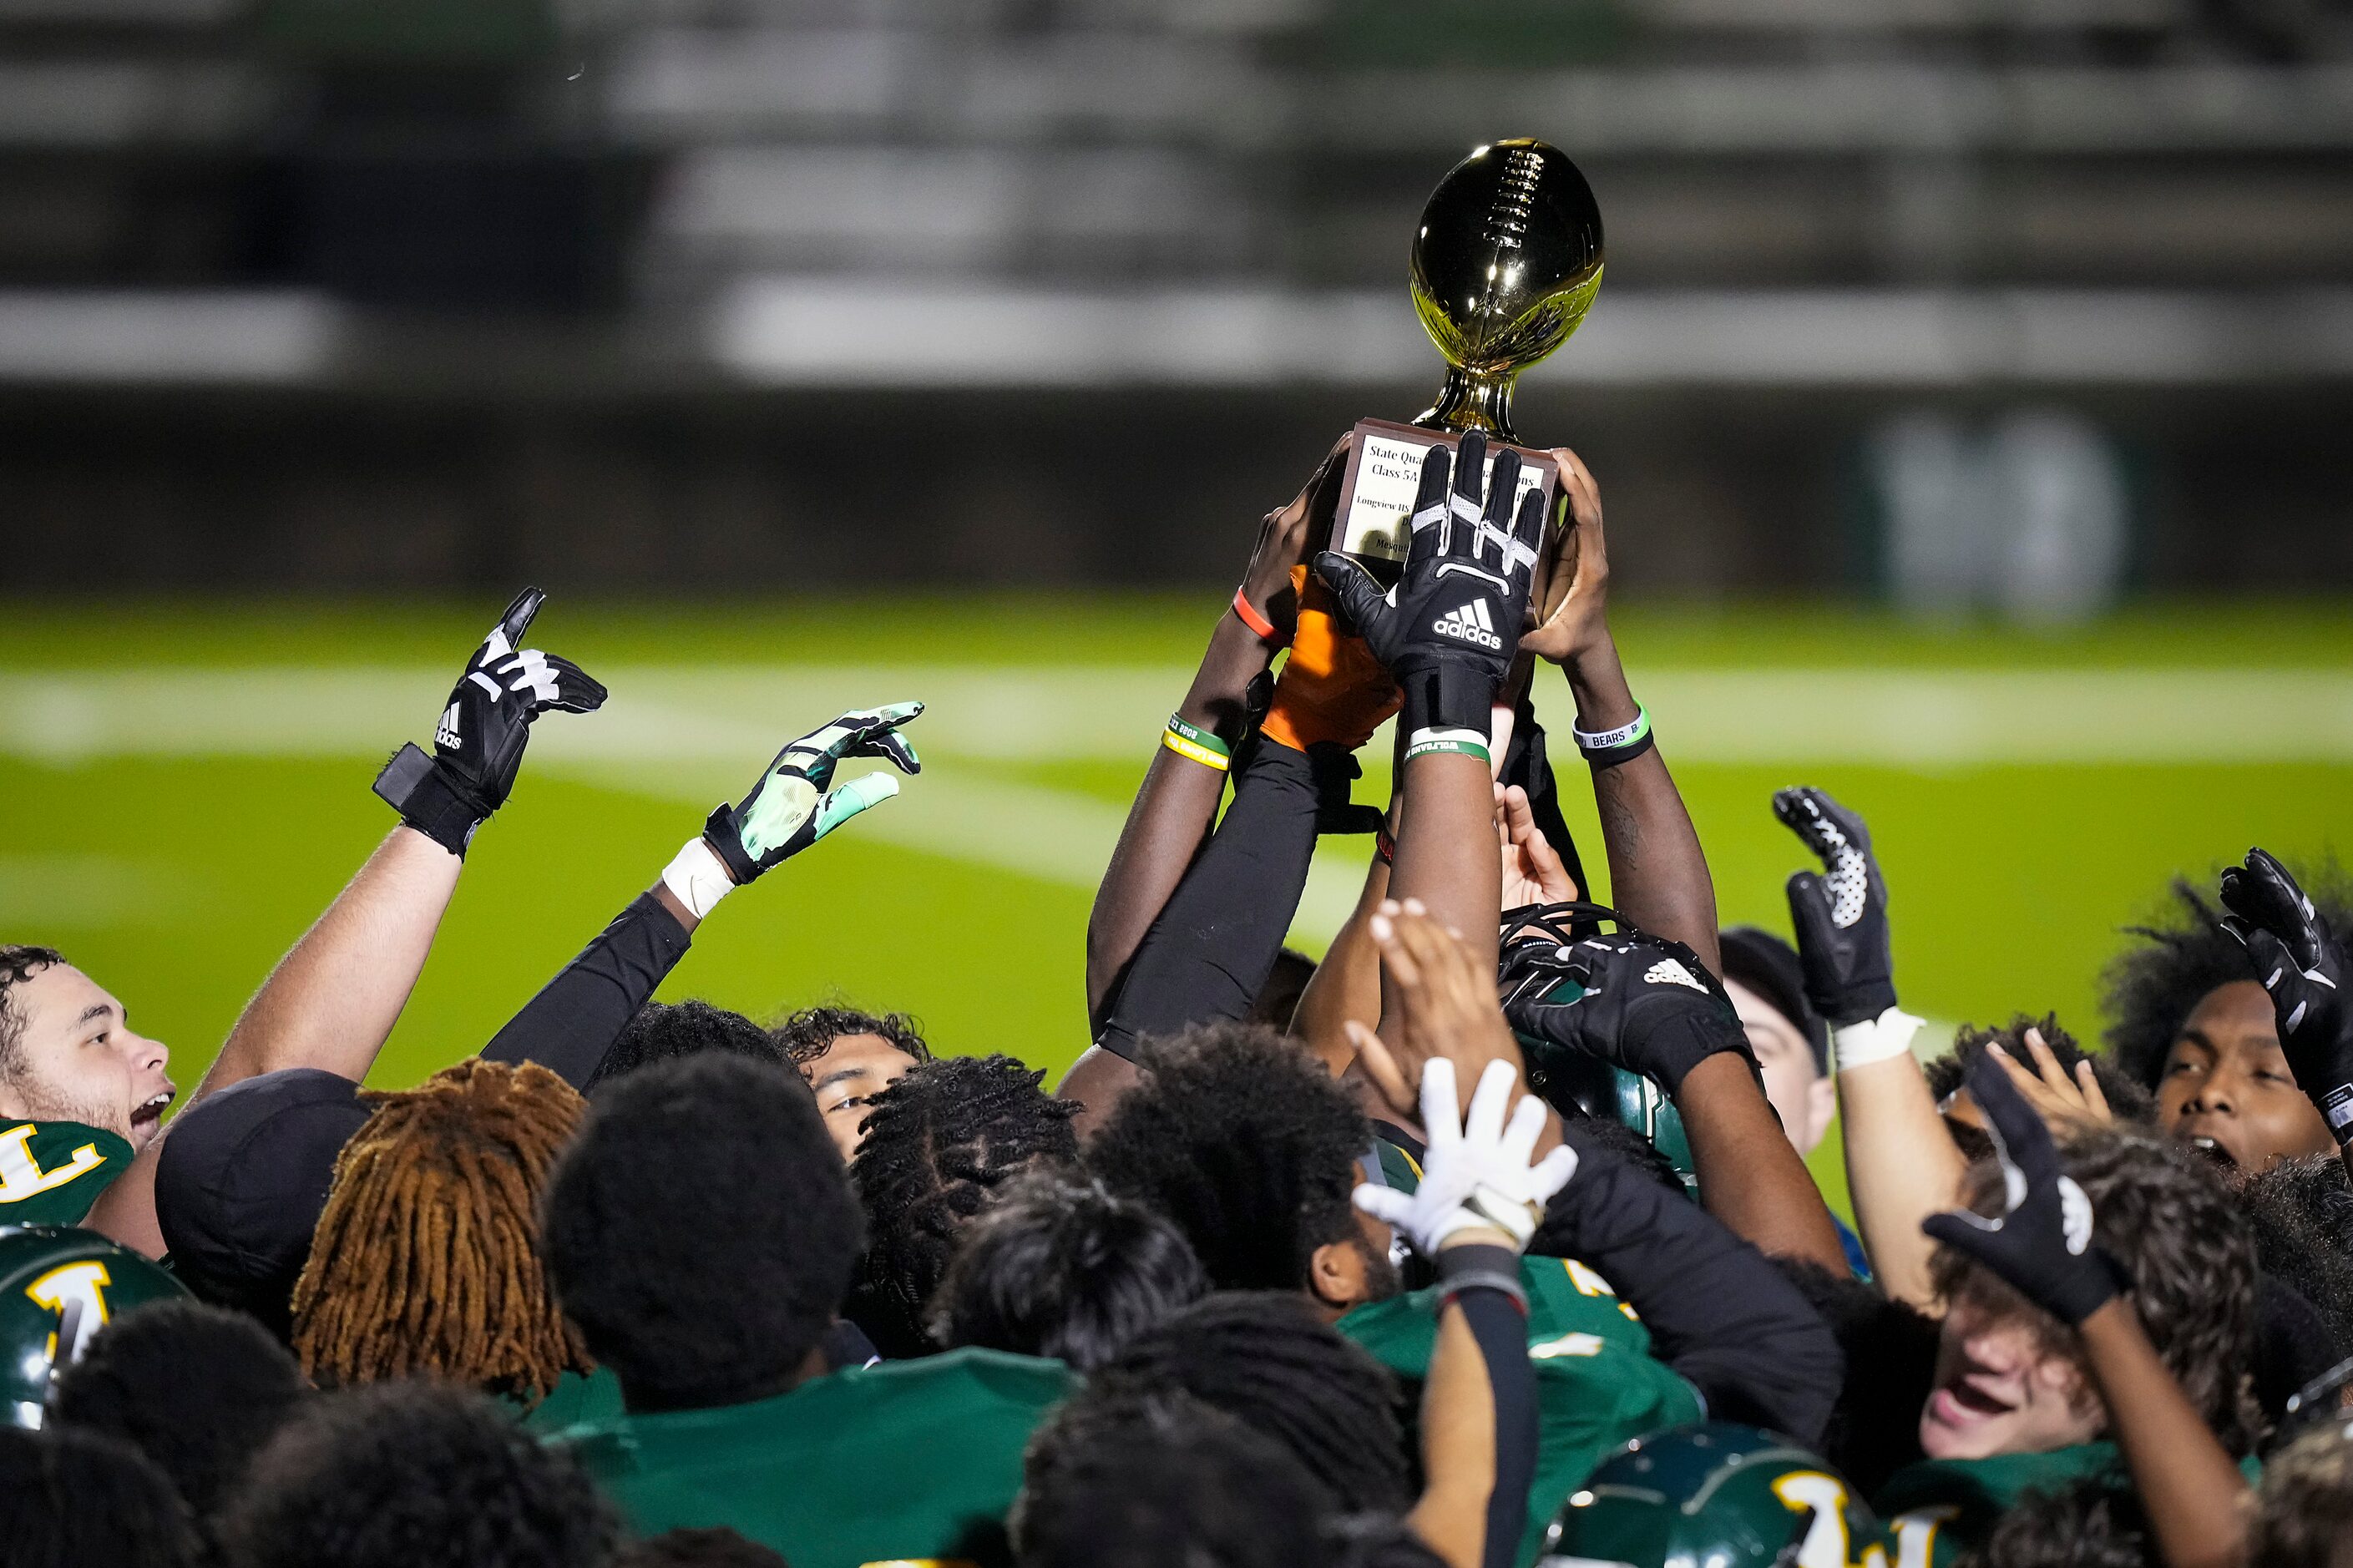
(2337, 1108)
(1467, 742)
(1608, 748)
(1248, 615)
(1196, 744)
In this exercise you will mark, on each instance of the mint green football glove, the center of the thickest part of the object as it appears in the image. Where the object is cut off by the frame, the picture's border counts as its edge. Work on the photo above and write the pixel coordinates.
(794, 804)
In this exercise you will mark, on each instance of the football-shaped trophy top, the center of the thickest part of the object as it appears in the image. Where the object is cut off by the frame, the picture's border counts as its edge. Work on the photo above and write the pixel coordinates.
(1505, 264)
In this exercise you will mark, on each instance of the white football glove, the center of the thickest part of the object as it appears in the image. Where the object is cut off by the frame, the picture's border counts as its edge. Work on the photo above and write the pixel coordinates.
(1476, 1170)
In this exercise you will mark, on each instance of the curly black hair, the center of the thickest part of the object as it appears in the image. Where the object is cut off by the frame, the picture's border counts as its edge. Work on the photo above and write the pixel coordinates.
(1891, 1366)
(19, 962)
(397, 1474)
(197, 1389)
(2300, 1211)
(2166, 1217)
(1265, 1358)
(699, 1548)
(69, 1499)
(699, 1230)
(2088, 1523)
(1121, 1476)
(2182, 956)
(940, 1143)
(1244, 1141)
(2127, 1097)
(808, 1034)
(2303, 1516)
(1060, 1267)
(666, 1031)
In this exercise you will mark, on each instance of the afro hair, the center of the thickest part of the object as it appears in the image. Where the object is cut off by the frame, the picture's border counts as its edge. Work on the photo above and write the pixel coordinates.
(197, 1389)
(2180, 958)
(2127, 1097)
(71, 1498)
(939, 1143)
(1247, 1143)
(399, 1473)
(667, 1031)
(699, 1548)
(646, 1237)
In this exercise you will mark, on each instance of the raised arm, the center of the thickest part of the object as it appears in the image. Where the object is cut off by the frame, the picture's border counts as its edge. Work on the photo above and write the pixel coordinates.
(333, 1000)
(1658, 876)
(1901, 1164)
(2305, 973)
(1178, 799)
(2042, 1246)
(1650, 1005)
(572, 1022)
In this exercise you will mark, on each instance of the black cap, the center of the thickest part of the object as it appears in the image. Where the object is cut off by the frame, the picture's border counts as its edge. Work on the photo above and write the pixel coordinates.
(1770, 967)
(242, 1181)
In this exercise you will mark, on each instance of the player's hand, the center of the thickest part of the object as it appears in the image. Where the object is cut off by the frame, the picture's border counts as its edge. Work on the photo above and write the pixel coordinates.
(794, 803)
(1636, 1001)
(2040, 1243)
(2061, 1100)
(1480, 1172)
(1572, 619)
(2303, 966)
(1446, 1007)
(1840, 913)
(1532, 872)
(1448, 629)
(477, 745)
(1287, 537)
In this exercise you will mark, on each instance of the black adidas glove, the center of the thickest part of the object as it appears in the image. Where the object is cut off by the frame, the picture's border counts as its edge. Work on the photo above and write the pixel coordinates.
(1636, 1001)
(2041, 1241)
(794, 803)
(2303, 969)
(479, 744)
(1840, 913)
(1448, 630)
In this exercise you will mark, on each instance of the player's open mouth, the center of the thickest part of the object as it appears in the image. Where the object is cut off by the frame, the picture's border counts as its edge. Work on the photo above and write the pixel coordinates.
(2214, 1151)
(1958, 1404)
(145, 1117)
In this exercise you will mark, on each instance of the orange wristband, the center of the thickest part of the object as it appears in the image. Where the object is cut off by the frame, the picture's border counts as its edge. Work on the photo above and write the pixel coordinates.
(1256, 622)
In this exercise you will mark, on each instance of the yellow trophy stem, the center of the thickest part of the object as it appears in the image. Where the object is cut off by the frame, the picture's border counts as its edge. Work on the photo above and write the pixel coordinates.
(1474, 399)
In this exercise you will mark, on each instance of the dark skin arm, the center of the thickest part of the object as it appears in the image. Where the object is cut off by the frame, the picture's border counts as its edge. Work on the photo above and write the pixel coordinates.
(2193, 1493)
(1750, 1175)
(1658, 874)
(1172, 810)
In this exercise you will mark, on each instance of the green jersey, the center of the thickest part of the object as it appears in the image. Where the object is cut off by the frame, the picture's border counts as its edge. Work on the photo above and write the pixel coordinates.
(52, 1171)
(902, 1460)
(1596, 1382)
(578, 1399)
(1938, 1508)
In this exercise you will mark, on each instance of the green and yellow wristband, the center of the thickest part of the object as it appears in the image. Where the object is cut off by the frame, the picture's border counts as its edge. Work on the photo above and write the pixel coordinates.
(1196, 744)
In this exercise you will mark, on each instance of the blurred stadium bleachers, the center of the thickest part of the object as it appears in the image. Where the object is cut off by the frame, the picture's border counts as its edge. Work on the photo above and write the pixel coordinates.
(2013, 302)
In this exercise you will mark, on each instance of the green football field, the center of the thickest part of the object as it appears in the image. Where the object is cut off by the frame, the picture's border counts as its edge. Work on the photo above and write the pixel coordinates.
(182, 789)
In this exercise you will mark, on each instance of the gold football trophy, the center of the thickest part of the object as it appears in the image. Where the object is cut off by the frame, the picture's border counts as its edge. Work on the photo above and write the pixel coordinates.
(1505, 264)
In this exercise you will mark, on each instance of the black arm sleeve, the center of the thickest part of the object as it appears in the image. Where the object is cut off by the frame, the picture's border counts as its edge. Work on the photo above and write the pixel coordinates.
(1215, 943)
(568, 1026)
(1718, 1311)
(1500, 1326)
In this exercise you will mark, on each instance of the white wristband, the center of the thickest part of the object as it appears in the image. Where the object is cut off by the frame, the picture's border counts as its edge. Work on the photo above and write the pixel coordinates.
(697, 878)
(1874, 1041)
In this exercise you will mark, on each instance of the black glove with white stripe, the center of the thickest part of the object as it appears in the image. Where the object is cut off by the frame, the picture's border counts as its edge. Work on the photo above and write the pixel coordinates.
(478, 746)
(1448, 630)
(2304, 970)
(2041, 1244)
(1636, 1001)
(1840, 913)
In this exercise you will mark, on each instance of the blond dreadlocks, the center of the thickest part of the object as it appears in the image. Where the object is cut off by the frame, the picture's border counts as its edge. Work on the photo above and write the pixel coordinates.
(425, 1260)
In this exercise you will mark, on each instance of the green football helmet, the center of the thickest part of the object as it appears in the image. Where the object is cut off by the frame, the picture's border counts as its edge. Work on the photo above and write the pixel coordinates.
(57, 1288)
(1714, 1495)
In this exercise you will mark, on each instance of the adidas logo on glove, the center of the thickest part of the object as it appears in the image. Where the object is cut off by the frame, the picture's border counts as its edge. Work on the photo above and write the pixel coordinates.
(1471, 623)
(1670, 972)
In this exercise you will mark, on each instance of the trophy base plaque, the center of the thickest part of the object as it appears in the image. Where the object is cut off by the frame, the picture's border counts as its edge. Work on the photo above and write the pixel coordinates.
(1383, 476)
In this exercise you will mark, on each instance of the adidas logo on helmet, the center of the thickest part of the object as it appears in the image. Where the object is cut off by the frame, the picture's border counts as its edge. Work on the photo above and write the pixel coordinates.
(1471, 624)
